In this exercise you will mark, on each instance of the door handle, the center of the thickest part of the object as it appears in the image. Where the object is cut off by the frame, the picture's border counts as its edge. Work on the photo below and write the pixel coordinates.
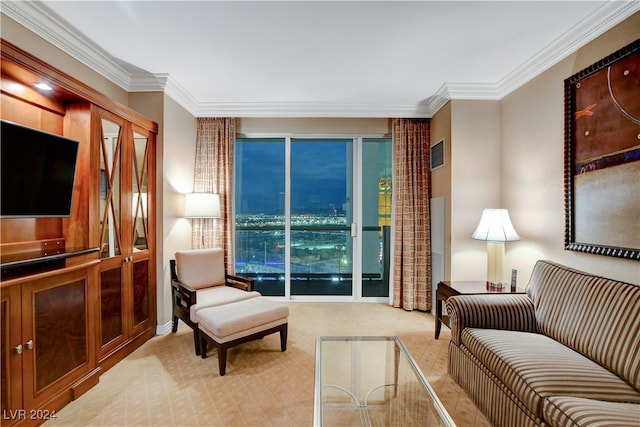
(18, 349)
(29, 344)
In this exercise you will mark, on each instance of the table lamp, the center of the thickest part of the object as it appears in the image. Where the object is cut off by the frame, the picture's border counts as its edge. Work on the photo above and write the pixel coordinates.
(495, 228)
(202, 205)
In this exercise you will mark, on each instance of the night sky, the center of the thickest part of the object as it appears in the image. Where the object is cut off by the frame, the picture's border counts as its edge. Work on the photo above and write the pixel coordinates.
(318, 181)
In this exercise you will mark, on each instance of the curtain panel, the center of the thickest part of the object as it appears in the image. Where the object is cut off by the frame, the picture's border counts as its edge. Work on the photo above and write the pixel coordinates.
(412, 191)
(213, 173)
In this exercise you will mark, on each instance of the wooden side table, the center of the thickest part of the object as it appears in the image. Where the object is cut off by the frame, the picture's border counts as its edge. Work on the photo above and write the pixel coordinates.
(448, 289)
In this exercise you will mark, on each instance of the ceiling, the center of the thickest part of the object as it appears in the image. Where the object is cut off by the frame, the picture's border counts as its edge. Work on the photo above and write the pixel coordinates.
(320, 58)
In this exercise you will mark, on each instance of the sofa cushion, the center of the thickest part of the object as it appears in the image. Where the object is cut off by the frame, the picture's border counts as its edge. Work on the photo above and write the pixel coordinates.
(218, 295)
(560, 411)
(534, 366)
(596, 316)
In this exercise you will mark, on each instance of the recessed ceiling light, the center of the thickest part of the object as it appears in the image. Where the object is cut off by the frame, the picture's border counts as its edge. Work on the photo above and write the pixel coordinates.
(43, 86)
(16, 87)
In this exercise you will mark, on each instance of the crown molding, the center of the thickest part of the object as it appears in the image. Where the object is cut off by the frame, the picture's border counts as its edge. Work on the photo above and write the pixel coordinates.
(597, 23)
(488, 91)
(148, 82)
(183, 97)
(35, 17)
(304, 109)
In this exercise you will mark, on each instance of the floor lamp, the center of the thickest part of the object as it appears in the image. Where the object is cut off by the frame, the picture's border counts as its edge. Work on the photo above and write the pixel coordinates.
(202, 205)
(495, 228)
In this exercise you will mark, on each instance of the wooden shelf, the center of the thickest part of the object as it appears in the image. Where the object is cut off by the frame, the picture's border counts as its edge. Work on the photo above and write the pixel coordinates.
(25, 263)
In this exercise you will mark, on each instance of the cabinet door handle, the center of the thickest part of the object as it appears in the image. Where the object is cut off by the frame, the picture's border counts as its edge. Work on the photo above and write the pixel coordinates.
(29, 344)
(18, 349)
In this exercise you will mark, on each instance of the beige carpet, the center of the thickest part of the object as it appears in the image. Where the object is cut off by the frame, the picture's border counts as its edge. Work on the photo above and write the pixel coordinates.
(163, 383)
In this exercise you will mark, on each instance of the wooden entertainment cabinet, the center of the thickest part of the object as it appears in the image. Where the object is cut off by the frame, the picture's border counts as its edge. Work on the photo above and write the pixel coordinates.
(78, 294)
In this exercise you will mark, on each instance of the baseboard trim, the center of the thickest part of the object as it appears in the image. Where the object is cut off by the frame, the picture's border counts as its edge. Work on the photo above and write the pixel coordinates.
(164, 329)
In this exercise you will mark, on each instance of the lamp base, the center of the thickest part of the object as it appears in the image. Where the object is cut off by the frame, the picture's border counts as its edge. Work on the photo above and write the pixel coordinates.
(491, 286)
(495, 262)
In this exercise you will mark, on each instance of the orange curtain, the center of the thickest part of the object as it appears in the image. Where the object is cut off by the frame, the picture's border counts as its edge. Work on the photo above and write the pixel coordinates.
(412, 190)
(215, 140)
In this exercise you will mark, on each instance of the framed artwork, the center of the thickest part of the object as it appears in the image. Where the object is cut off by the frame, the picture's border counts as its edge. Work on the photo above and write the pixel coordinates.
(602, 156)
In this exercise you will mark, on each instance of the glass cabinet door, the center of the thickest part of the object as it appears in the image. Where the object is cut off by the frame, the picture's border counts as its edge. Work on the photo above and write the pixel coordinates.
(126, 197)
(140, 161)
(110, 178)
(139, 191)
(111, 272)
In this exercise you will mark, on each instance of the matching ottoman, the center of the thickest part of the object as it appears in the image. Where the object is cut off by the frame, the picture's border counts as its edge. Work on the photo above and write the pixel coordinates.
(232, 324)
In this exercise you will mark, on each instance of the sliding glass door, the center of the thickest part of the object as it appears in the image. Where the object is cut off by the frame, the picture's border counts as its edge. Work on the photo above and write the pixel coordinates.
(312, 215)
(260, 212)
(376, 191)
(321, 247)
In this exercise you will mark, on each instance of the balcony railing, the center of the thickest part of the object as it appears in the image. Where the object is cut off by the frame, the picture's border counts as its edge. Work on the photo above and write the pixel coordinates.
(266, 263)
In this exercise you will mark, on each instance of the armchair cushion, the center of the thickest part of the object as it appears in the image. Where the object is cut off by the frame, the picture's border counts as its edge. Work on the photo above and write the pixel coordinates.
(216, 296)
(201, 268)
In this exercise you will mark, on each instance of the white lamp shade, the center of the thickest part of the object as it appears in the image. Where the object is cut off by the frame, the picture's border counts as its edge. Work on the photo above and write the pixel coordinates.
(495, 226)
(202, 205)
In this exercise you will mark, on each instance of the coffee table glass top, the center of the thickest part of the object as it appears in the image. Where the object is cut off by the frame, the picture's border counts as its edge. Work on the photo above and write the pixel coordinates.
(372, 381)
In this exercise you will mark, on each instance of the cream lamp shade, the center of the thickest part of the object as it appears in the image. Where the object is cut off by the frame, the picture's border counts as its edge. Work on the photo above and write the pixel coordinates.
(202, 205)
(495, 228)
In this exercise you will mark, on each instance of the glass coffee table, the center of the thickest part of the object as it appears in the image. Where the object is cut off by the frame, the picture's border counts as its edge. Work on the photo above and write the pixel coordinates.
(372, 381)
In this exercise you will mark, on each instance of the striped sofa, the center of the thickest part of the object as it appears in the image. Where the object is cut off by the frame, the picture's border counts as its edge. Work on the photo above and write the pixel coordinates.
(565, 353)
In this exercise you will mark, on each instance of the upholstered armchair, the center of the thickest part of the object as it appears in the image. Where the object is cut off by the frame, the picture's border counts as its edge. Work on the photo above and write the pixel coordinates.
(199, 280)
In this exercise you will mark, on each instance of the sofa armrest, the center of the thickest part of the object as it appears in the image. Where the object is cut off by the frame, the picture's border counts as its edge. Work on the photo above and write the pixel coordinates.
(240, 282)
(513, 312)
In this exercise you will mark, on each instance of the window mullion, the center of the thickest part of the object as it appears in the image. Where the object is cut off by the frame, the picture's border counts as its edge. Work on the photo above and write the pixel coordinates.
(287, 218)
(357, 218)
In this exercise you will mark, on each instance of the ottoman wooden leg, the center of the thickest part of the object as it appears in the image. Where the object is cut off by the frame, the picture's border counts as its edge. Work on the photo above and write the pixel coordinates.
(203, 346)
(222, 359)
(196, 340)
(222, 352)
(283, 337)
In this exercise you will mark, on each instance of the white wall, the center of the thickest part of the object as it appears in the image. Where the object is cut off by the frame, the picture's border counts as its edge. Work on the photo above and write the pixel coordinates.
(503, 153)
(533, 170)
(475, 182)
(532, 129)
(178, 153)
(509, 154)
(314, 126)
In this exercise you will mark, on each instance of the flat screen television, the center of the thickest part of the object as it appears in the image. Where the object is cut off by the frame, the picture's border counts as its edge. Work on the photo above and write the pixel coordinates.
(37, 172)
